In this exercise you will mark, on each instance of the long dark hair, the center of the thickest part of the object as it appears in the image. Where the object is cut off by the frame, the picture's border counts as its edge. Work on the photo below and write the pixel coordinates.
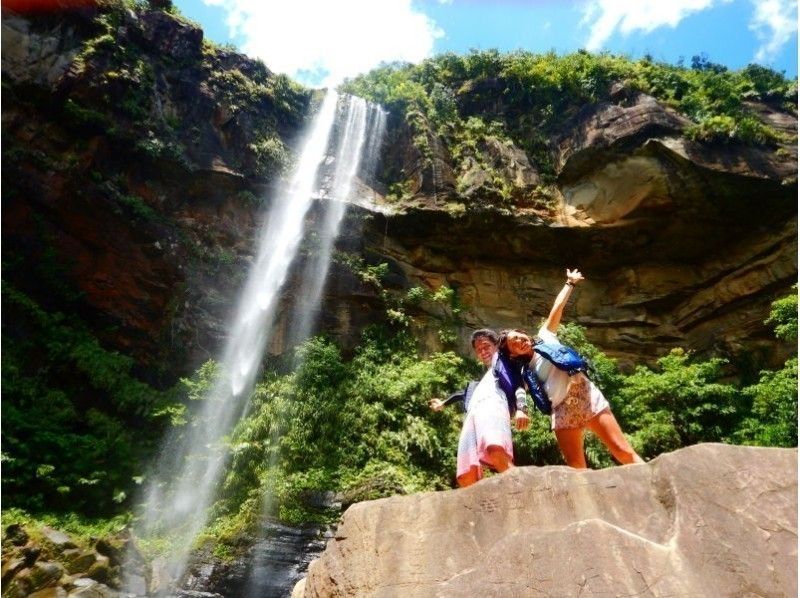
(503, 346)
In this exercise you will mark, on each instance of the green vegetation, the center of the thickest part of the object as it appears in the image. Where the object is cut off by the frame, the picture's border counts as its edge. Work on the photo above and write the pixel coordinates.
(271, 156)
(360, 426)
(83, 530)
(76, 423)
(680, 403)
(773, 418)
(487, 97)
(400, 306)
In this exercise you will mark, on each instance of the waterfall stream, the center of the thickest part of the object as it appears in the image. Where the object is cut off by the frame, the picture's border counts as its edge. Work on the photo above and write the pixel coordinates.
(193, 458)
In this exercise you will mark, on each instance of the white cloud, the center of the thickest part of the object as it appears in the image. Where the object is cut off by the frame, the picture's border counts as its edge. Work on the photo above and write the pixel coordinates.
(320, 42)
(774, 23)
(604, 17)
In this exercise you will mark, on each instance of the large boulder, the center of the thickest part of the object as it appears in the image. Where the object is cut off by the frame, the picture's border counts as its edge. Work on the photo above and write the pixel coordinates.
(708, 520)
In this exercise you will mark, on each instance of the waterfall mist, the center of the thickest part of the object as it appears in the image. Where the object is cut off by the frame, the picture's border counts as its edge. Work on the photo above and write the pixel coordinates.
(183, 483)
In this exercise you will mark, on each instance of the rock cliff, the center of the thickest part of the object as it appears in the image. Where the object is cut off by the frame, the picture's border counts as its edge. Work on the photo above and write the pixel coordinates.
(138, 159)
(682, 242)
(709, 520)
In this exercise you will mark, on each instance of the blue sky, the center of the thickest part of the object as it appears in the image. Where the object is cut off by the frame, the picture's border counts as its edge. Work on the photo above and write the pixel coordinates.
(318, 42)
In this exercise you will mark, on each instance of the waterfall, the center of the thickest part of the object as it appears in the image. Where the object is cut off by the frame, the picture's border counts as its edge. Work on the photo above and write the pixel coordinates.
(361, 133)
(193, 458)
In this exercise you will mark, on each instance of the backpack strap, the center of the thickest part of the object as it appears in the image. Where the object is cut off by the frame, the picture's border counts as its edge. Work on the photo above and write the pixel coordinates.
(536, 391)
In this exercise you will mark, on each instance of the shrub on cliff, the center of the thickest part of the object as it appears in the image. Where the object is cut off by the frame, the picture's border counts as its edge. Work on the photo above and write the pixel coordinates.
(680, 403)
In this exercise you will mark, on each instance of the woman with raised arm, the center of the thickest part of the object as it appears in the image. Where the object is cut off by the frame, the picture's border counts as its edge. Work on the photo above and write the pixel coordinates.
(577, 403)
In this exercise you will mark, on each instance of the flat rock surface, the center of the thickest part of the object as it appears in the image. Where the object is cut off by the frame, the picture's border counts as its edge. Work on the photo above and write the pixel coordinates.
(708, 520)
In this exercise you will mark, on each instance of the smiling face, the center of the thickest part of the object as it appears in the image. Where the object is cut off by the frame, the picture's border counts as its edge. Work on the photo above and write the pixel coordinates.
(518, 343)
(484, 349)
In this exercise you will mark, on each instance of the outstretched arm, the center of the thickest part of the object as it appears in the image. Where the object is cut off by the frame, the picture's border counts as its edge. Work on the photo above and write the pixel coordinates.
(554, 319)
(439, 404)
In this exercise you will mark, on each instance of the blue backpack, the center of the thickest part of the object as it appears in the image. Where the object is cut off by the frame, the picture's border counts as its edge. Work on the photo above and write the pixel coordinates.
(563, 357)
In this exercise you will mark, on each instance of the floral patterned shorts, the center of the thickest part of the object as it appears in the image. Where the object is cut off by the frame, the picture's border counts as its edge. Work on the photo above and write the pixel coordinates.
(583, 402)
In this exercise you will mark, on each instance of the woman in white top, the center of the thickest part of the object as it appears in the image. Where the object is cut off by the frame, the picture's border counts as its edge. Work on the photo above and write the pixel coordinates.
(578, 404)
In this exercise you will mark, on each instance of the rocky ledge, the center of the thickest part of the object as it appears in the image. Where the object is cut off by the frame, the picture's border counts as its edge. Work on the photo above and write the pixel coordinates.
(47, 563)
(708, 520)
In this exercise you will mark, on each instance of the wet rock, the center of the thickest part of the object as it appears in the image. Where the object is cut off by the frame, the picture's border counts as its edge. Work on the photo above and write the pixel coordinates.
(43, 574)
(270, 568)
(160, 579)
(15, 534)
(19, 586)
(57, 538)
(133, 583)
(76, 560)
(30, 553)
(134, 570)
(89, 588)
(11, 567)
(57, 592)
(101, 569)
(115, 549)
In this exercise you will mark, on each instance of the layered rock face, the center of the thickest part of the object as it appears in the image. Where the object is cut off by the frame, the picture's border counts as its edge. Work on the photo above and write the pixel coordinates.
(709, 520)
(682, 243)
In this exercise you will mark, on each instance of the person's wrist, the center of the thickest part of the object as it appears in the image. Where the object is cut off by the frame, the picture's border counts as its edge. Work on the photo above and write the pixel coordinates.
(569, 283)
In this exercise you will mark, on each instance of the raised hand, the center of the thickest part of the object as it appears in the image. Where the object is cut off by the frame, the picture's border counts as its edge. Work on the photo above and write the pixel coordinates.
(574, 276)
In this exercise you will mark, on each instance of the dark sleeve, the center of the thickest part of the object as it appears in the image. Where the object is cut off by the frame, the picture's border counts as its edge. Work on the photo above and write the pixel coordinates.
(456, 396)
(509, 378)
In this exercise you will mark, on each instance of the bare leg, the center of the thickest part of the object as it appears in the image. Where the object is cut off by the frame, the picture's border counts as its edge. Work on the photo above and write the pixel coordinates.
(605, 425)
(498, 458)
(570, 441)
